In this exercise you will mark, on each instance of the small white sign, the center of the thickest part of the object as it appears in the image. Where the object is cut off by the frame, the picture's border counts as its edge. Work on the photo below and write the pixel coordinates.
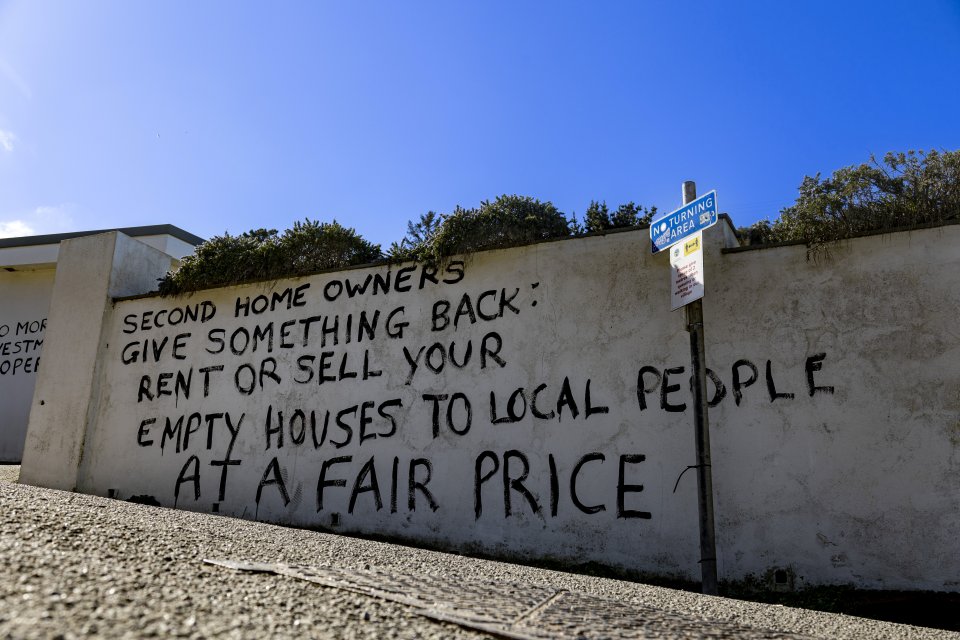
(686, 271)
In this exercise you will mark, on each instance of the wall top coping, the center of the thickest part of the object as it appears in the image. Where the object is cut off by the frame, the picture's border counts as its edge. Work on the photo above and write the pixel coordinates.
(863, 234)
(148, 230)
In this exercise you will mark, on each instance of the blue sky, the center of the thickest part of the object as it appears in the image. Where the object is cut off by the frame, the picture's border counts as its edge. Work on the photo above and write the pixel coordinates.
(227, 116)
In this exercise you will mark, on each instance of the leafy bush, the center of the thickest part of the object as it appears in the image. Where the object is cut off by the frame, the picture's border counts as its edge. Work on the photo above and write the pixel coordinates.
(418, 233)
(263, 255)
(316, 246)
(598, 217)
(309, 247)
(904, 190)
(508, 221)
(760, 232)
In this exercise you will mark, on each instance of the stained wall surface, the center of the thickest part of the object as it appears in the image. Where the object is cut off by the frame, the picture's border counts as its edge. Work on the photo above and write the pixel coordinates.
(27, 272)
(535, 402)
(24, 300)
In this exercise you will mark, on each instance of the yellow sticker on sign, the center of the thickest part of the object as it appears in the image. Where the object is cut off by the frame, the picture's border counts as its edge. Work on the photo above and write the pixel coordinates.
(691, 245)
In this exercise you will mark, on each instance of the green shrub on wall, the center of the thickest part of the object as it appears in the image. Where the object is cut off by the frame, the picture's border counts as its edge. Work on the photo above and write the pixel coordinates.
(261, 254)
(597, 217)
(903, 190)
(508, 221)
(309, 247)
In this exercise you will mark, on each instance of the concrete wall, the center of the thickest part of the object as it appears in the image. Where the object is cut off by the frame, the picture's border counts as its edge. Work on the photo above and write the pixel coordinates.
(27, 270)
(535, 402)
(63, 415)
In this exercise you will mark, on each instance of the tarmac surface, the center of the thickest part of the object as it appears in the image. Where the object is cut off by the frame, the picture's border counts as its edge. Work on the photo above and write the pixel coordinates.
(73, 566)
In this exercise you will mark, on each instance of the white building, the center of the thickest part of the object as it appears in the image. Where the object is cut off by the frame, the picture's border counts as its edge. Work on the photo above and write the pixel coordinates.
(27, 268)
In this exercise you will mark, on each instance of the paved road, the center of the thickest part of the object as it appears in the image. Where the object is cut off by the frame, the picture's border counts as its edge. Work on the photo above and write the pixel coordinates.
(74, 565)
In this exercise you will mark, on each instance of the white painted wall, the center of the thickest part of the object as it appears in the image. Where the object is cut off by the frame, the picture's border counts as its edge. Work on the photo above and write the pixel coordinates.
(25, 299)
(168, 244)
(93, 270)
(26, 282)
(853, 478)
(43, 256)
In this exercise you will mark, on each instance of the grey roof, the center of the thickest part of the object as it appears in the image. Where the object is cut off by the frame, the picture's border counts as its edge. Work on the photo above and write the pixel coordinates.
(149, 230)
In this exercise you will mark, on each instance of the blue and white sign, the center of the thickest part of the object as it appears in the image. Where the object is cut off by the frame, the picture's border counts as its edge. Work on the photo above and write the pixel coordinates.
(684, 222)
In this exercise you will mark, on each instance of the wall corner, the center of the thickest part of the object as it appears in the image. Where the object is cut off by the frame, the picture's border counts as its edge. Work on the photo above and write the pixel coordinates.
(91, 271)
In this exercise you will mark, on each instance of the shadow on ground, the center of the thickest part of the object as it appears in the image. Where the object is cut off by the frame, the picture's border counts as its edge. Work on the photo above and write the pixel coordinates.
(939, 610)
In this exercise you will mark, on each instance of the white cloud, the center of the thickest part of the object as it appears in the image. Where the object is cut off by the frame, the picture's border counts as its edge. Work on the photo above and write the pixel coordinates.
(6, 140)
(42, 220)
(15, 228)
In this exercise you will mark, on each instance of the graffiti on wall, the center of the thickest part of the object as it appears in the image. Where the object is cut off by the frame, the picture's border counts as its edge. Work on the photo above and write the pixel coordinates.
(20, 345)
(331, 370)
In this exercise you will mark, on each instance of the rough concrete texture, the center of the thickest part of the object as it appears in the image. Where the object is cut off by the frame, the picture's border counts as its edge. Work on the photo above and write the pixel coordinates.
(534, 403)
(27, 273)
(92, 270)
(77, 565)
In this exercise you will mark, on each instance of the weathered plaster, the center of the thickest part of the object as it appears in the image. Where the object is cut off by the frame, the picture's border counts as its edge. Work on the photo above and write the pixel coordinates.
(834, 443)
(24, 300)
(92, 271)
(27, 269)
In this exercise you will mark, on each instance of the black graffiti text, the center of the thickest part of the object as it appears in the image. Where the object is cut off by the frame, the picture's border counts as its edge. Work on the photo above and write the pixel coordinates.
(666, 387)
(510, 485)
(357, 423)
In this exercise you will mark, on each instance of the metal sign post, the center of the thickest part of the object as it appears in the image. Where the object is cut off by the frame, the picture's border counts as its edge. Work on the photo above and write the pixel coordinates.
(708, 547)
(681, 232)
